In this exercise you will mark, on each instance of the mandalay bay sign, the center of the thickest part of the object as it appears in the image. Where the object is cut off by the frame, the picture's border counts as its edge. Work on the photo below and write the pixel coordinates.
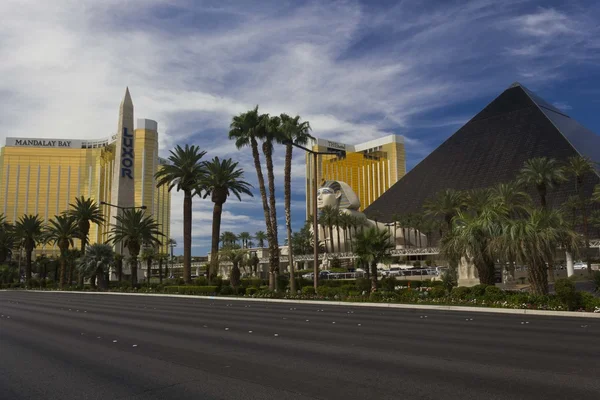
(21, 142)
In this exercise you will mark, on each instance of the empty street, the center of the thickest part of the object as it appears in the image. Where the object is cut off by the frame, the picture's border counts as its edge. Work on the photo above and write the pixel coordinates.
(92, 346)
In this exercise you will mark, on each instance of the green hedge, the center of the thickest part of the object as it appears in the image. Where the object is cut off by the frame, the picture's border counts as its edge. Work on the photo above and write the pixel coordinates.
(199, 290)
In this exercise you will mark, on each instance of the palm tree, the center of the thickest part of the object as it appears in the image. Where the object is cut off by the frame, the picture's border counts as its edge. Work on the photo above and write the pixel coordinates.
(222, 178)
(532, 241)
(261, 237)
(328, 218)
(86, 212)
(246, 129)
(292, 131)
(471, 237)
(511, 197)
(7, 239)
(184, 172)
(97, 261)
(579, 167)
(596, 194)
(542, 173)
(446, 204)
(28, 231)
(134, 228)
(345, 221)
(244, 238)
(595, 221)
(372, 246)
(271, 135)
(71, 258)
(228, 239)
(60, 232)
(478, 200)
(235, 256)
(148, 255)
(161, 258)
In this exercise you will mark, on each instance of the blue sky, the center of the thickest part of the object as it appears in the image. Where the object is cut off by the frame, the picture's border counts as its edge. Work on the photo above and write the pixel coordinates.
(356, 70)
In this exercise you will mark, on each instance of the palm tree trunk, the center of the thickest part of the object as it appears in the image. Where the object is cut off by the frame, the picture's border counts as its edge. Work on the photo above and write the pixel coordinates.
(62, 272)
(187, 237)
(133, 264)
(288, 213)
(486, 273)
(214, 247)
(538, 278)
(263, 195)
(27, 266)
(120, 270)
(101, 282)
(337, 230)
(160, 275)
(586, 237)
(331, 238)
(93, 281)
(148, 271)
(373, 276)
(70, 274)
(274, 244)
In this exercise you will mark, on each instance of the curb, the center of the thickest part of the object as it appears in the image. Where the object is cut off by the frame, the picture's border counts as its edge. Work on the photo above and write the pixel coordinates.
(514, 311)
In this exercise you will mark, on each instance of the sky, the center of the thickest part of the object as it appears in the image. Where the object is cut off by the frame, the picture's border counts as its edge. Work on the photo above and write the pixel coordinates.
(356, 70)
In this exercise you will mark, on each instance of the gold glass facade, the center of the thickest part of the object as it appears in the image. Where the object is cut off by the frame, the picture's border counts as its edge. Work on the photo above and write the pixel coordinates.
(44, 176)
(369, 168)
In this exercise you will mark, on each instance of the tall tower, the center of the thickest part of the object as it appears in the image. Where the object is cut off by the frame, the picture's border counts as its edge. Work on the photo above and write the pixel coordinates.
(123, 187)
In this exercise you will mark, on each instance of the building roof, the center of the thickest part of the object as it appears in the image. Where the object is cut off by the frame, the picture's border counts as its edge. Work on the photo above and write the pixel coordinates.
(492, 148)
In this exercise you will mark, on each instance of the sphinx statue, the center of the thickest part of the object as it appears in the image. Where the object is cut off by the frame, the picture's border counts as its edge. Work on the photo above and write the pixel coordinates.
(339, 195)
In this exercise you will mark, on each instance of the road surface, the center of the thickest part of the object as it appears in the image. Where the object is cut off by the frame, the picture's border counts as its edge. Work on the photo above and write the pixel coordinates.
(85, 346)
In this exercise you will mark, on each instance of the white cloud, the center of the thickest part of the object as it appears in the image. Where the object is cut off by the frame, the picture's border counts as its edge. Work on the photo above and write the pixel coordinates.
(354, 71)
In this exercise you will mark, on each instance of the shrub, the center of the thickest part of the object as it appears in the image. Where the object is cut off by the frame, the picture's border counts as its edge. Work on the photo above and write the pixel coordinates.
(408, 296)
(597, 280)
(363, 284)
(587, 301)
(389, 284)
(478, 290)
(437, 292)
(493, 293)
(417, 264)
(450, 279)
(254, 282)
(240, 291)
(308, 290)
(566, 292)
(251, 291)
(461, 293)
(282, 282)
(226, 291)
(201, 281)
(331, 283)
(197, 290)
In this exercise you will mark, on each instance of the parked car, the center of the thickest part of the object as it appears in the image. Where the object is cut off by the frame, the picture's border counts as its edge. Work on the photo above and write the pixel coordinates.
(580, 265)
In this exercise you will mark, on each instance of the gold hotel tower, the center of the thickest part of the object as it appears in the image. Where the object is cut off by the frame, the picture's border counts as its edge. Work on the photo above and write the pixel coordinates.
(44, 176)
(370, 168)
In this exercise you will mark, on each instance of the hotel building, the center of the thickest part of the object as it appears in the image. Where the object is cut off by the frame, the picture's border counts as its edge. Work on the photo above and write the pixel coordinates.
(44, 176)
(370, 168)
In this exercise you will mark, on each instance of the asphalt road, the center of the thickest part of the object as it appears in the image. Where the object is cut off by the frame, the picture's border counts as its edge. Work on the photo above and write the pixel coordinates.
(78, 346)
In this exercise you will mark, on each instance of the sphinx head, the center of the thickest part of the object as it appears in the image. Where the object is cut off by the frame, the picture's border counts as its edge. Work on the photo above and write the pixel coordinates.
(337, 194)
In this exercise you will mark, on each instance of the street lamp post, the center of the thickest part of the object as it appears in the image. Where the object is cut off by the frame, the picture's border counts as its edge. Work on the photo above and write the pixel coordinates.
(315, 155)
(172, 246)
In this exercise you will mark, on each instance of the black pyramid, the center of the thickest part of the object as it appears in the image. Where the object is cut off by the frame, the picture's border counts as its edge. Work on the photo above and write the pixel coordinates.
(492, 148)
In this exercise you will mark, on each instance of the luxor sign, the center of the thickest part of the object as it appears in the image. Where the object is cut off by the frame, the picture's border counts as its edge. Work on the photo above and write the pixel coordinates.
(127, 155)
